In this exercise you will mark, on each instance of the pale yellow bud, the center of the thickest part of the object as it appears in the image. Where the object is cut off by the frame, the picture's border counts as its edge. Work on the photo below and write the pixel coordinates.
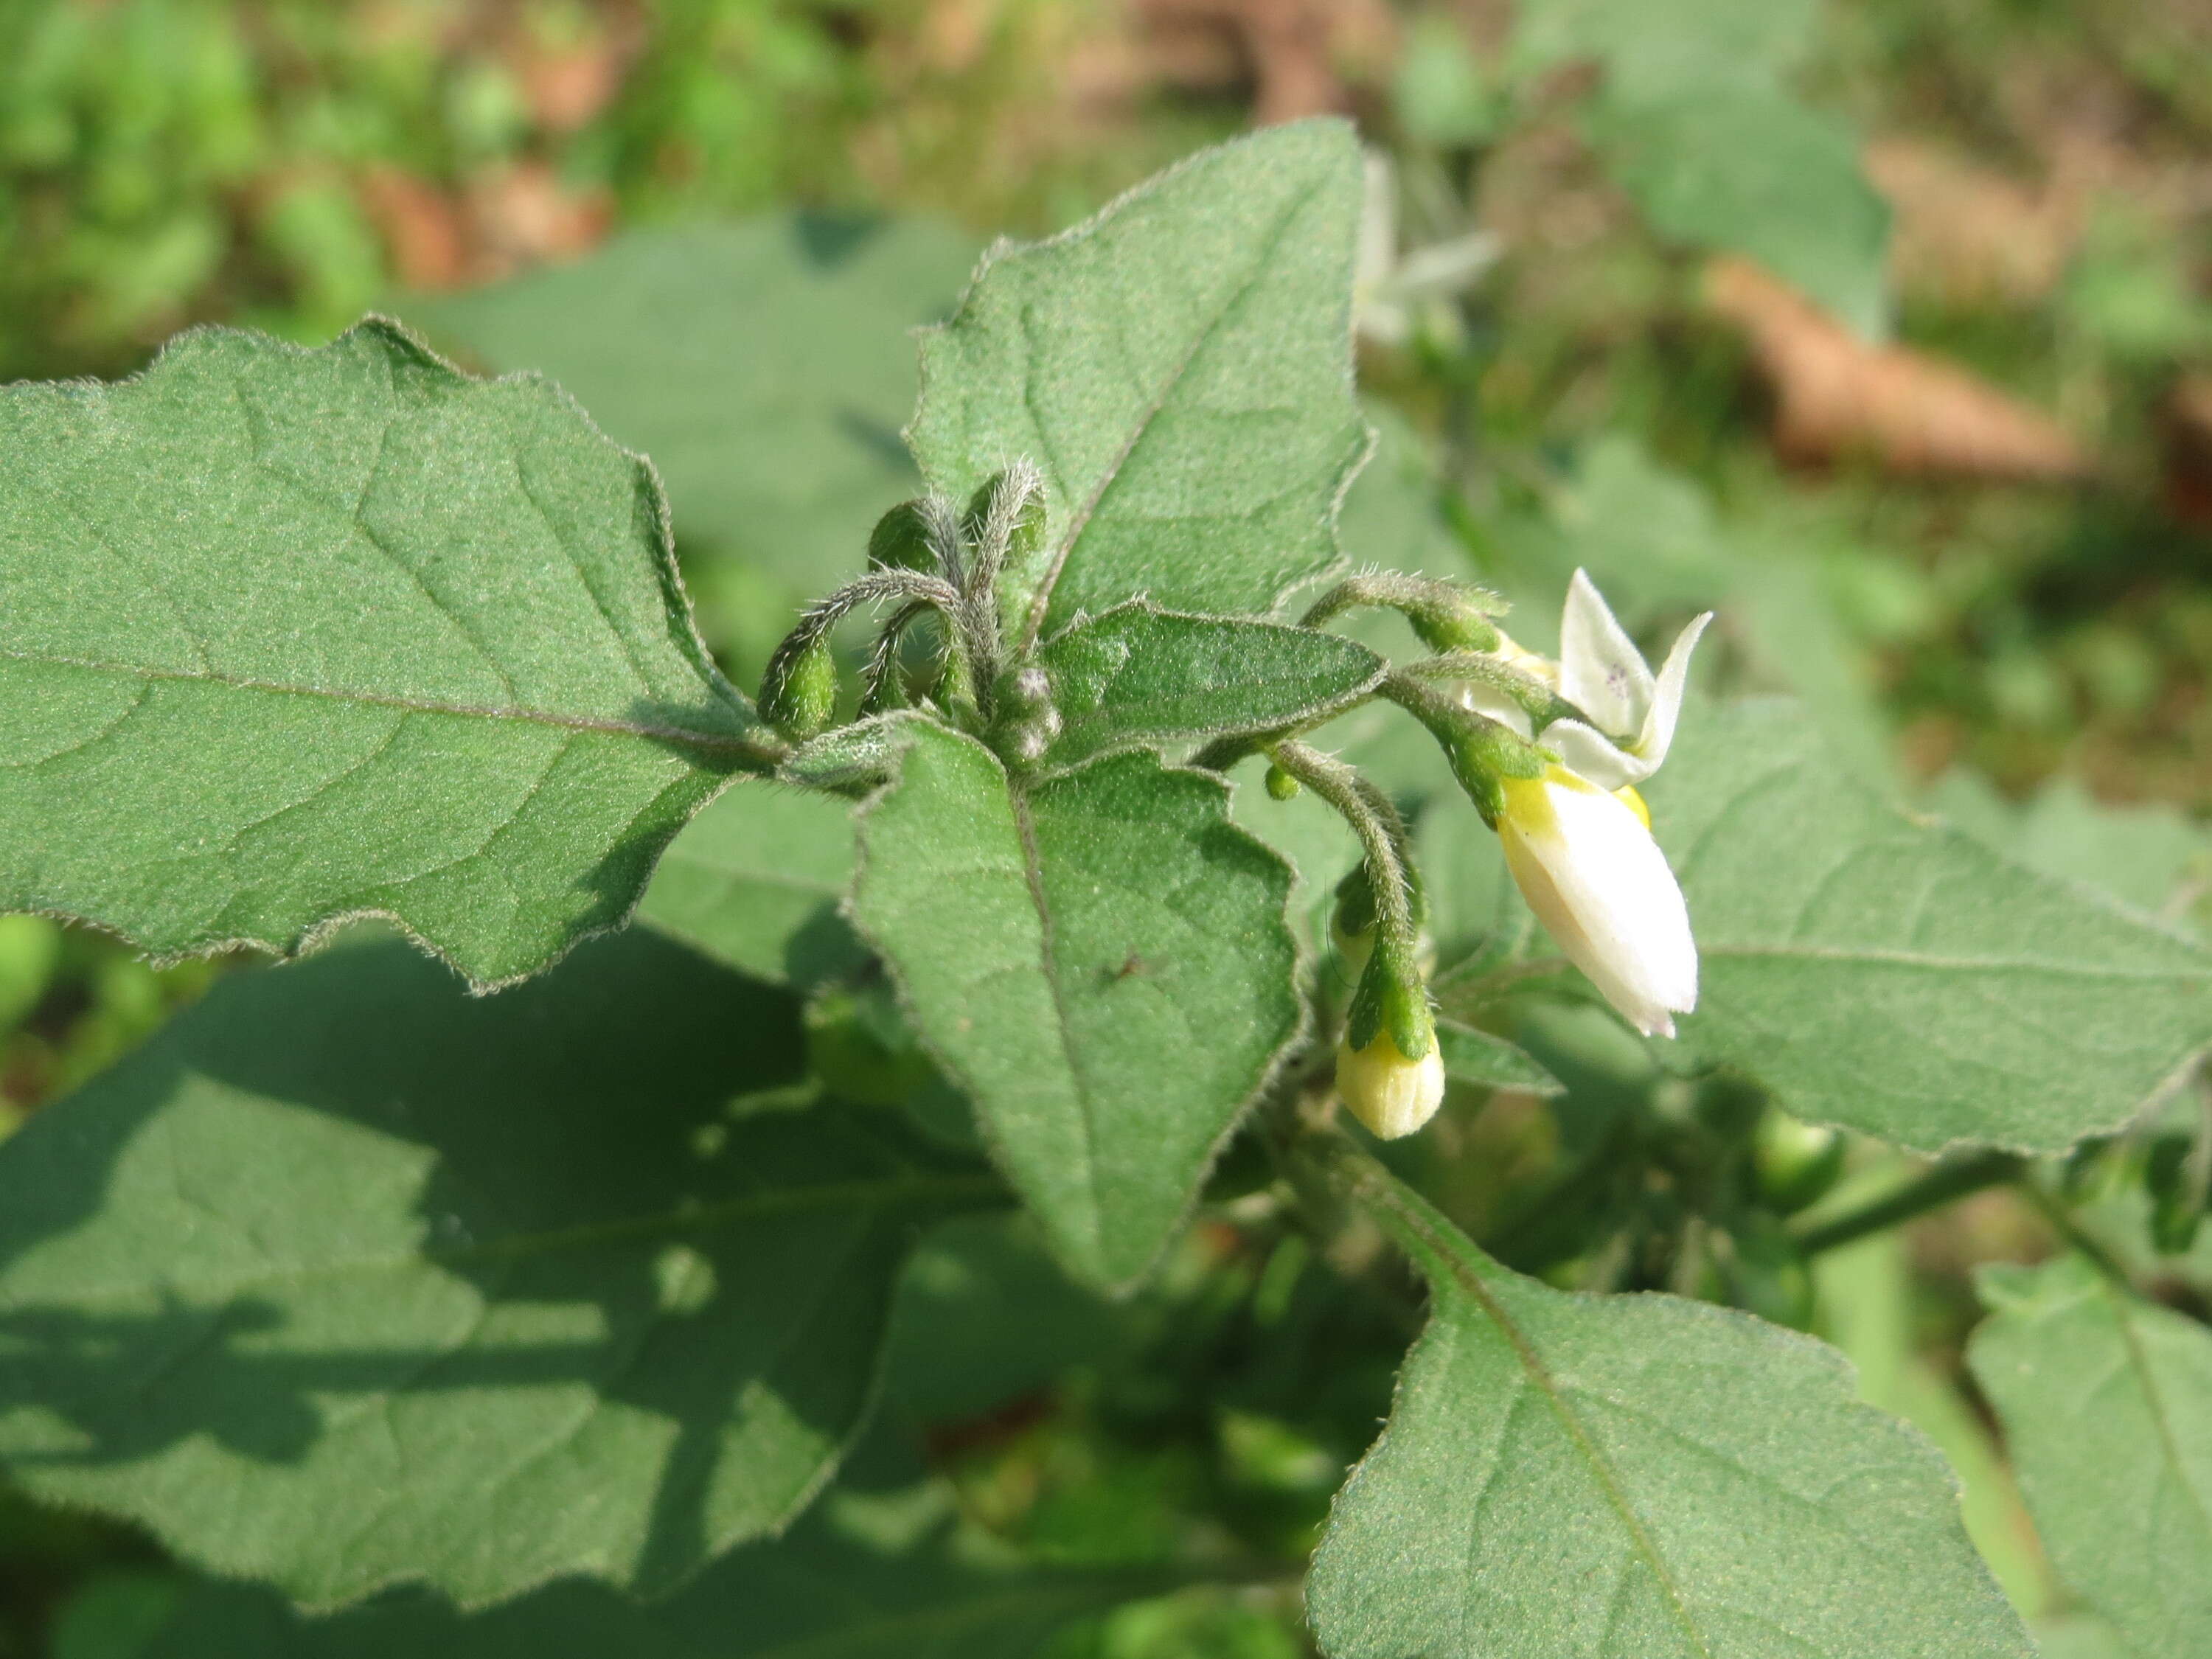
(1390, 1094)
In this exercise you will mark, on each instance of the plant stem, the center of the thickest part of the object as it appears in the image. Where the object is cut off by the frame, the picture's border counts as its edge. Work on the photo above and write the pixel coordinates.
(1945, 1183)
(1381, 835)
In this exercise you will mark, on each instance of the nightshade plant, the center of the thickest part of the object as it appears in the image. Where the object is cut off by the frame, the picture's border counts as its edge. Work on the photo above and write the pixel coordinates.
(403, 1303)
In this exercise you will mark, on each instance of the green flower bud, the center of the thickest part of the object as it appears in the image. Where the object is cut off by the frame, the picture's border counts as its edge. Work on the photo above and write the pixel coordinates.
(1281, 785)
(1453, 621)
(1796, 1163)
(799, 692)
(860, 1047)
(2177, 1198)
(900, 540)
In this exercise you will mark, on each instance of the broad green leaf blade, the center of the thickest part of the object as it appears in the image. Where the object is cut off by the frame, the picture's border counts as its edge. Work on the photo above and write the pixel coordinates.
(1139, 675)
(1662, 48)
(2149, 857)
(826, 1592)
(1697, 121)
(294, 637)
(756, 881)
(985, 1316)
(766, 366)
(1641, 1477)
(1181, 368)
(2106, 1403)
(1750, 169)
(348, 1278)
(1476, 1056)
(1100, 962)
(1889, 974)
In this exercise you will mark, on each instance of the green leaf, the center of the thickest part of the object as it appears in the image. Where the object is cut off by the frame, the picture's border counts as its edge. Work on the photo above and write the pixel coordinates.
(1752, 170)
(985, 1316)
(765, 366)
(348, 1278)
(756, 881)
(2149, 857)
(1697, 122)
(1658, 48)
(1890, 974)
(1476, 1056)
(2106, 1403)
(826, 1590)
(1181, 368)
(294, 636)
(1573, 1475)
(1139, 675)
(1100, 962)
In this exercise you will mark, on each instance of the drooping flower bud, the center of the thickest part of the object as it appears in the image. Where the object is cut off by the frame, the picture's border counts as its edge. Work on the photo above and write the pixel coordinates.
(1390, 1071)
(1454, 619)
(1587, 864)
(1393, 1096)
(799, 692)
(901, 539)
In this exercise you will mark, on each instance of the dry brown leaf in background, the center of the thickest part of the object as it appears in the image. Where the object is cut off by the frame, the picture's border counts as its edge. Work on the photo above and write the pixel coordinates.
(1966, 235)
(422, 228)
(1298, 55)
(497, 223)
(2185, 432)
(522, 214)
(1837, 396)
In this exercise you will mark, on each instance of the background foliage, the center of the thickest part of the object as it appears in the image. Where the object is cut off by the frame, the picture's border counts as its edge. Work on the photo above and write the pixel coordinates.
(1964, 515)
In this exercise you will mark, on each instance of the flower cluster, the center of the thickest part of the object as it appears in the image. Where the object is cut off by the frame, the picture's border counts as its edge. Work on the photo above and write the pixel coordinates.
(1551, 751)
(1577, 837)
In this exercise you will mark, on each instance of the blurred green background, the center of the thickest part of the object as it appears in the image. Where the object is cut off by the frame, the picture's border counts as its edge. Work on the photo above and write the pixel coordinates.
(1971, 524)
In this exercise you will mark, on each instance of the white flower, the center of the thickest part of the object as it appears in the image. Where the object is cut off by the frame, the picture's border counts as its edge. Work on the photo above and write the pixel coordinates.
(1632, 716)
(1390, 294)
(1585, 862)
(1390, 1094)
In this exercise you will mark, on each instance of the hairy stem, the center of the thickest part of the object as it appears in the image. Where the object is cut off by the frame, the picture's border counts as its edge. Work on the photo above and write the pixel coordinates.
(818, 618)
(1383, 839)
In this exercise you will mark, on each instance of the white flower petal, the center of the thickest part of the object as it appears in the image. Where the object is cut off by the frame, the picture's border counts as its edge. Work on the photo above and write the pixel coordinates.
(1601, 886)
(1658, 730)
(1600, 671)
(1591, 754)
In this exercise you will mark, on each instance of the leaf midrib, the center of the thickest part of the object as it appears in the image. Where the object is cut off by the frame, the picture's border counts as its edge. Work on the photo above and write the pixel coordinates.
(874, 1194)
(709, 743)
(1891, 958)
(1539, 1378)
(1048, 964)
(1042, 603)
(2155, 1397)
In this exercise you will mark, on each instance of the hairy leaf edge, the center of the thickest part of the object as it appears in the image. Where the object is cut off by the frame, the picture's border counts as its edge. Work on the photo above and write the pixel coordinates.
(1008, 247)
(676, 602)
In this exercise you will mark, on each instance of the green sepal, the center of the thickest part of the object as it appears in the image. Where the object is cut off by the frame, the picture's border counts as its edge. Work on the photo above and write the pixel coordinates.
(1483, 754)
(1385, 1002)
